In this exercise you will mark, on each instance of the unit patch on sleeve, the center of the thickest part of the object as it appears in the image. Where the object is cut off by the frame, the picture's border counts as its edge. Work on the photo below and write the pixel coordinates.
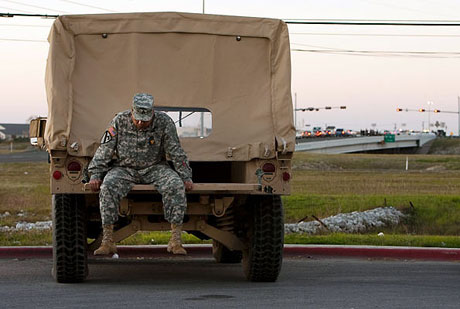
(107, 137)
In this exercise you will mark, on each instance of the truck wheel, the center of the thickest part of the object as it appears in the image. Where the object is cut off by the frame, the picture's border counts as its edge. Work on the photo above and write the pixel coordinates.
(263, 258)
(224, 255)
(70, 262)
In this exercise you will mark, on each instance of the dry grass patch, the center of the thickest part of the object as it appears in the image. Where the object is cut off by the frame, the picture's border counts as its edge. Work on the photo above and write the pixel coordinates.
(24, 190)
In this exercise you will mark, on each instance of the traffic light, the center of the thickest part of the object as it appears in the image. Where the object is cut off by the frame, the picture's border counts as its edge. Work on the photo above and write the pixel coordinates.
(328, 107)
(421, 110)
(343, 107)
(437, 110)
(399, 109)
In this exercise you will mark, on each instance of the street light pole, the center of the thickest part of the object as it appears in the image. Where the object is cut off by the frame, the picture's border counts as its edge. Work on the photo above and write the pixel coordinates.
(458, 115)
(295, 110)
(429, 115)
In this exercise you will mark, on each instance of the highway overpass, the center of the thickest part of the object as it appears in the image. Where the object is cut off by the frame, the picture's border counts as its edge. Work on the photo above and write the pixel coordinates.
(361, 144)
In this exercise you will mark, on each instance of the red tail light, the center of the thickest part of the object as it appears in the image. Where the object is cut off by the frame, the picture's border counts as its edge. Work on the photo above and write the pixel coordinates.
(74, 167)
(57, 175)
(269, 168)
(286, 176)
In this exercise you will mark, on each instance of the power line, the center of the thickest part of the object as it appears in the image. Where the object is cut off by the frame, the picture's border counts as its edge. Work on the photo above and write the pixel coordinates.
(28, 15)
(34, 6)
(23, 40)
(374, 20)
(332, 50)
(22, 25)
(373, 34)
(89, 6)
(382, 53)
(426, 23)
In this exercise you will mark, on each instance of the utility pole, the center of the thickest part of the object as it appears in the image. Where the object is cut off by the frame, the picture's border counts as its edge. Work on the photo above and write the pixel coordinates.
(429, 115)
(458, 115)
(295, 110)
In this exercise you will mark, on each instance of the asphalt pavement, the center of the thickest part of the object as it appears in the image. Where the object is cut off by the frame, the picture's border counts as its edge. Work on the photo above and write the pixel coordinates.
(178, 282)
(26, 156)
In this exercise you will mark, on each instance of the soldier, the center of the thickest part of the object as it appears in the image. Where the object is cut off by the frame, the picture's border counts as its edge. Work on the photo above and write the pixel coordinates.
(133, 150)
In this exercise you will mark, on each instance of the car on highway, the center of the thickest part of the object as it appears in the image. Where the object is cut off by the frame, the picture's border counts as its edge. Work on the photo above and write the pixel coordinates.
(340, 132)
(317, 132)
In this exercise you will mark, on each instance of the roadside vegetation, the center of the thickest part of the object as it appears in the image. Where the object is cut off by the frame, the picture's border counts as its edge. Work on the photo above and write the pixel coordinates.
(19, 145)
(445, 145)
(322, 185)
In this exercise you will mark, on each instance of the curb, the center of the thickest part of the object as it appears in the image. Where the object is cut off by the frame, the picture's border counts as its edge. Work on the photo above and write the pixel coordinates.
(290, 251)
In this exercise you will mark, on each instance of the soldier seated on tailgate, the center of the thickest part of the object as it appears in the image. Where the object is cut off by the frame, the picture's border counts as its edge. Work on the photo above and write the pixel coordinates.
(140, 139)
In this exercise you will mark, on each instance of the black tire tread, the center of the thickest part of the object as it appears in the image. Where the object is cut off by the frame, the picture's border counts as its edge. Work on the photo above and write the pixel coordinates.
(262, 261)
(69, 239)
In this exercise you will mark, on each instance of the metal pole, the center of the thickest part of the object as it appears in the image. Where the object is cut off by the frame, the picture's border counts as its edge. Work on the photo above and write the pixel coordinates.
(430, 103)
(202, 124)
(458, 113)
(295, 110)
(203, 6)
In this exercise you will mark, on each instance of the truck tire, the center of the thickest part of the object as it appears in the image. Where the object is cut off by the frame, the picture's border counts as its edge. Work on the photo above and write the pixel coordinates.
(224, 255)
(70, 262)
(264, 256)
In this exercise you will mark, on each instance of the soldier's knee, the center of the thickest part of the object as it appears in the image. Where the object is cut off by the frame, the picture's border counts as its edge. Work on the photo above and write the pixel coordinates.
(175, 185)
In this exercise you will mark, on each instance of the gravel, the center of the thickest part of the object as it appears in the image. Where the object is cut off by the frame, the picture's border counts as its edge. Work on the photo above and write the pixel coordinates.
(354, 222)
(27, 226)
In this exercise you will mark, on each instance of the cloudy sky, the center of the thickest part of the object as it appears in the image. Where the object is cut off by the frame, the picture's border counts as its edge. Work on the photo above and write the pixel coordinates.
(370, 69)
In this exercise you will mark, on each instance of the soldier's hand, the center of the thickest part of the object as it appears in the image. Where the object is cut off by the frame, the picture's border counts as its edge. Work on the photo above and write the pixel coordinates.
(95, 184)
(188, 185)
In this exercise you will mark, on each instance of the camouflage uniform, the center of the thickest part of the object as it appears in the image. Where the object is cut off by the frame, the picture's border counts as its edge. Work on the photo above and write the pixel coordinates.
(131, 156)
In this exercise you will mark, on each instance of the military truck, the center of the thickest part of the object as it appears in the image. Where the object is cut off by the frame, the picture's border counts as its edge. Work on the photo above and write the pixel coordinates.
(224, 80)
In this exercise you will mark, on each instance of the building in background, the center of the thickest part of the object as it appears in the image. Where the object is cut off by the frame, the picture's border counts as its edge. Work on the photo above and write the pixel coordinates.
(2, 135)
(14, 130)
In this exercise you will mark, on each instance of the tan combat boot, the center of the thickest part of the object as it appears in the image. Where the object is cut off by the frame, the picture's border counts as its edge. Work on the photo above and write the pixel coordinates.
(107, 245)
(175, 243)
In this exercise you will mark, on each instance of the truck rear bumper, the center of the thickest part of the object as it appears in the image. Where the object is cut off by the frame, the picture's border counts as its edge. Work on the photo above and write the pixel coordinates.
(202, 188)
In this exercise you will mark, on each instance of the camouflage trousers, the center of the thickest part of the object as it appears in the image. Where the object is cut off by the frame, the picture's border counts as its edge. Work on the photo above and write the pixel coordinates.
(119, 181)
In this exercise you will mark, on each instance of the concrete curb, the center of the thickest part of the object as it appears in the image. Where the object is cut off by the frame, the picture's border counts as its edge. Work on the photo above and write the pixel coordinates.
(290, 251)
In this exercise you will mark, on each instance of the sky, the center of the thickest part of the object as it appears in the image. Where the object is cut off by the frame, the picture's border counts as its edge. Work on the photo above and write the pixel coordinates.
(353, 66)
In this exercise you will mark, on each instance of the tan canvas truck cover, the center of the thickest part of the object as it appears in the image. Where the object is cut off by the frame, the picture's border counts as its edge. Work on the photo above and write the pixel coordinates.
(236, 67)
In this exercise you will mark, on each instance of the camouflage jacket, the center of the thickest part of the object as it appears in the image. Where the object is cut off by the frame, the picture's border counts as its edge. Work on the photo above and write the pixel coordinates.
(126, 146)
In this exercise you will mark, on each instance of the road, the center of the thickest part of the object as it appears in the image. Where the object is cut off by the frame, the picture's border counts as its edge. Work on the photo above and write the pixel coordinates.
(26, 156)
(201, 283)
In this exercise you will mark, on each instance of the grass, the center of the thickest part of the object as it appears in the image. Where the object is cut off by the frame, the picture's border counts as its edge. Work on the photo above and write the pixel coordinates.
(44, 238)
(445, 146)
(24, 192)
(322, 185)
(374, 240)
(21, 146)
(325, 185)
